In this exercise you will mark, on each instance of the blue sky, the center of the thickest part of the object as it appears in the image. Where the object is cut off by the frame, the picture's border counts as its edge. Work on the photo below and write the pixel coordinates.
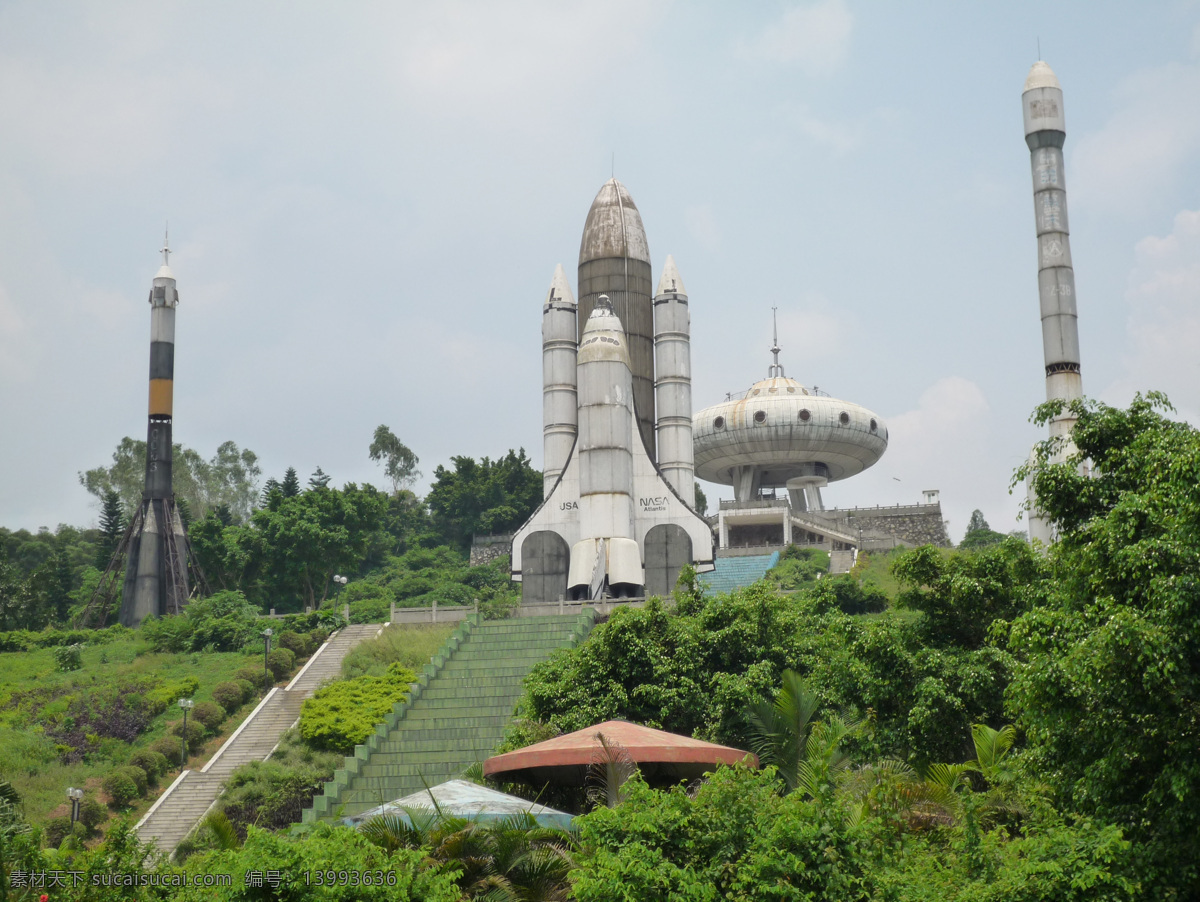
(367, 203)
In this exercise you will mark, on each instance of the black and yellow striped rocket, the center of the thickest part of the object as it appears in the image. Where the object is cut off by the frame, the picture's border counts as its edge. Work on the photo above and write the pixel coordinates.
(156, 570)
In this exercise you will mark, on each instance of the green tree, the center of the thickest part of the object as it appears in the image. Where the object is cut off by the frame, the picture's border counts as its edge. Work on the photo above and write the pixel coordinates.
(318, 480)
(399, 462)
(701, 500)
(229, 477)
(1108, 677)
(290, 487)
(112, 528)
(483, 497)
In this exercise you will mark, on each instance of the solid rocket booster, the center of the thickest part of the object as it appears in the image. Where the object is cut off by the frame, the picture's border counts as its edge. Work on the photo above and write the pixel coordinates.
(614, 260)
(605, 450)
(1045, 133)
(673, 382)
(147, 580)
(559, 388)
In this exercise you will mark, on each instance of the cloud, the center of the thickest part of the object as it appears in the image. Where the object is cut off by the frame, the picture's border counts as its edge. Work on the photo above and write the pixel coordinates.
(1164, 319)
(815, 37)
(810, 330)
(1145, 145)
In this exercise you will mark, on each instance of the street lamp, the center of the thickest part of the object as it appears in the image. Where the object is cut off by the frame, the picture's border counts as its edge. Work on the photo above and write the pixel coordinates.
(186, 704)
(267, 634)
(339, 581)
(74, 795)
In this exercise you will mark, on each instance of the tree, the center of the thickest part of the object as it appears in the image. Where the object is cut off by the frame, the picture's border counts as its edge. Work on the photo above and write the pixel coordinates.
(399, 462)
(230, 477)
(318, 480)
(483, 497)
(977, 521)
(701, 500)
(112, 528)
(1109, 660)
(291, 483)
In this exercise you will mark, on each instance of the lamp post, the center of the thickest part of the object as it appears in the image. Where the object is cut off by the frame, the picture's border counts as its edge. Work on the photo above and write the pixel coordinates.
(75, 795)
(186, 704)
(339, 581)
(267, 634)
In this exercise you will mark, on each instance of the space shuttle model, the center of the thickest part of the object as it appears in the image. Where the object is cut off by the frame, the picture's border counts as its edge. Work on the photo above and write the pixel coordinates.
(616, 389)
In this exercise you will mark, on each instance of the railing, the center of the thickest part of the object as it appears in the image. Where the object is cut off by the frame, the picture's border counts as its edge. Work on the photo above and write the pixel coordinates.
(742, 395)
(759, 504)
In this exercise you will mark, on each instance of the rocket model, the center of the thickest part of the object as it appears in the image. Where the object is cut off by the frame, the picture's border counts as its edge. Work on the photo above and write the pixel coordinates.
(1045, 133)
(156, 580)
(612, 521)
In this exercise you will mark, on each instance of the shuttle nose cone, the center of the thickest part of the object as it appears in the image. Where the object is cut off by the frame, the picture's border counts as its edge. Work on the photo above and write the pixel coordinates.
(603, 337)
(614, 227)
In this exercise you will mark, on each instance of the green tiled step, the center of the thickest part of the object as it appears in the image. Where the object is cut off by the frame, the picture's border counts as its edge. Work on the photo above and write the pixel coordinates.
(456, 717)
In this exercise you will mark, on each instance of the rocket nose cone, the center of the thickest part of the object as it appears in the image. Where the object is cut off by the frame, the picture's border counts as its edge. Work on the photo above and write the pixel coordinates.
(560, 288)
(1041, 76)
(614, 227)
(671, 282)
(603, 336)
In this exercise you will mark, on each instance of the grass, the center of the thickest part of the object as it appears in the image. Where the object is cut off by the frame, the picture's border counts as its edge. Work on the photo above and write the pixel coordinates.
(411, 644)
(30, 759)
(879, 570)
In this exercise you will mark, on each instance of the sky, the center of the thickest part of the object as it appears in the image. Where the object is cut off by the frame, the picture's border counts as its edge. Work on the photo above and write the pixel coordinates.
(367, 202)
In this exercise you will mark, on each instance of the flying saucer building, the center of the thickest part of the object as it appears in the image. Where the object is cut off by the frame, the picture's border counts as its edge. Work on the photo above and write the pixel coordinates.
(778, 444)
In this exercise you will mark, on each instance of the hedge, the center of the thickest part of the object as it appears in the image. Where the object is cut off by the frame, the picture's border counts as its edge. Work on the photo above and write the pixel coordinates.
(343, 714)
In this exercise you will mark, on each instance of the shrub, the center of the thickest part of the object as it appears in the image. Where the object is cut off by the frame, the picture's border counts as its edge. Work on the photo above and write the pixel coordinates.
(157, 700)
(281, 661)
(229, 695)
(56, 831)
(92, 813)
(68, 657)
(195, 733)
(138, 776)
(120, 788)
(211, 714)
(249, 690)
(251, 674)
(169, 748)
(299, 644)
(155, 764)
(345, 713)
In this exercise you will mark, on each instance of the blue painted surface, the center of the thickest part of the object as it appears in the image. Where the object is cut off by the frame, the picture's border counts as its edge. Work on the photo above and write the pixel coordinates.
(738, 572)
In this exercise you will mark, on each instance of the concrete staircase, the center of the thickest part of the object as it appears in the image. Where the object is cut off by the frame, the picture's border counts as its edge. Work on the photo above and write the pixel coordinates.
(191, 795)
(738, 572)
(455, 716)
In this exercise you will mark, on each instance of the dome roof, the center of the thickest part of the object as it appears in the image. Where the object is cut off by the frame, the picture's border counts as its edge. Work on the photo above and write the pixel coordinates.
(786, 428)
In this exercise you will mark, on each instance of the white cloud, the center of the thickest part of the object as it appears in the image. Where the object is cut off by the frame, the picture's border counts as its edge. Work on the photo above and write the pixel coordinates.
(1144, 146)
(810, 330)
(815, 37)
(1164, 319)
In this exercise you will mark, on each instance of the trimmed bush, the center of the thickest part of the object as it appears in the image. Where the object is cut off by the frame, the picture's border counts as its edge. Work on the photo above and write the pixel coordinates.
(229, 695)
(155, 764)
(55, 831)
(120, 788)
(249, 690)
(345, 713)
(92, 813)
(210, 714)
(299, 644)
(251, 674)
(158, 700)
(138, 776)
(169, 748)
(281, 661)
(195, 733)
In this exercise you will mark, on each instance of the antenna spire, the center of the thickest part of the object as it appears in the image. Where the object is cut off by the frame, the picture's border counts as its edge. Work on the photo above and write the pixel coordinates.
(776, 370)
(166, 248)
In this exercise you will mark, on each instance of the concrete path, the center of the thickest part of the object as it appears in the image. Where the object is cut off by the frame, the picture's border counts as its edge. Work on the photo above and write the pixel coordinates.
(191, 795)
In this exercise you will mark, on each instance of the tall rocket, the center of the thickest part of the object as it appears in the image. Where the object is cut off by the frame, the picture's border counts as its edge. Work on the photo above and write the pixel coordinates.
(560, 421)
(614, 260)
(1045, 133)
(156, 580)
(673, 382)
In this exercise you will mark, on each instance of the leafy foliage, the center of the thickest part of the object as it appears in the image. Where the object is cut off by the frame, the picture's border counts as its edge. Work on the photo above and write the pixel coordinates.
(483, 497)
(343, 714)
(399, 462)
(1109, 657)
